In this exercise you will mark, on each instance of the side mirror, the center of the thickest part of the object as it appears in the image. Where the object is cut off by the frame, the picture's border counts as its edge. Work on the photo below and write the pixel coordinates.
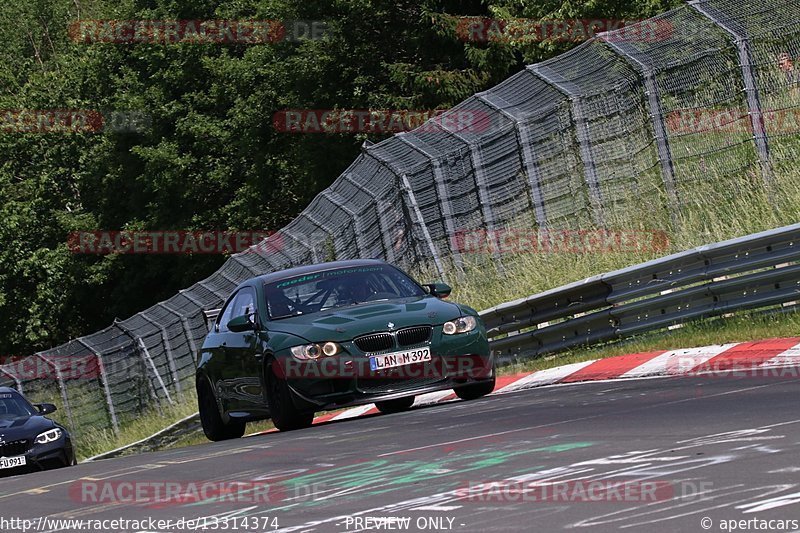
(241, 323)
(45, 408)
(440, 290)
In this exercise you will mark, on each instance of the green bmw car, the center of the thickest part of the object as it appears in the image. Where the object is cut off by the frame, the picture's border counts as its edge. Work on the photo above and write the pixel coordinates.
(288, 344)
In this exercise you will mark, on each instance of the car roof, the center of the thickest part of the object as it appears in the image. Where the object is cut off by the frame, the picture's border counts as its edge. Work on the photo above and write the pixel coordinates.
(319, 267)
(8, 389)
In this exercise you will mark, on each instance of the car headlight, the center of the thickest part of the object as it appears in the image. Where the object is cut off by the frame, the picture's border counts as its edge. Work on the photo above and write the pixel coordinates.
(460, 325)
(49, 436)
(314, 351)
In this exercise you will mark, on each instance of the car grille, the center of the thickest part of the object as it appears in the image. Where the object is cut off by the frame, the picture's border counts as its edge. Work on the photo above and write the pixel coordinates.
(375, 342)
(394, 384)
(15, 447)
(378, 342)
(403, 378)
(414, 335)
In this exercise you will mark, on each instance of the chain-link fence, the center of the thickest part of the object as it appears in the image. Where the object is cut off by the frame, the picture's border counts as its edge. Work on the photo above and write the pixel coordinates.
(635, 115)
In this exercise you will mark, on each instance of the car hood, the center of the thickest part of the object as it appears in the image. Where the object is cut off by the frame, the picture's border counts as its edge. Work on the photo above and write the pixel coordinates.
(24, 427)
(344, 323)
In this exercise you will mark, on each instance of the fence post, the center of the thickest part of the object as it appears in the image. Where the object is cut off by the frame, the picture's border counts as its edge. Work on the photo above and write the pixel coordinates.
(148, 360)
(525, 141)
(442, 193)
(16, 380)
(62, 387)
(188, 330)
(336, 246)
(106, 389)
(342, 204)
(742, 43)
(412, 200)
(380, 208)
(645, 69)
(312, 249)
(483, 193)
(221, 295)
(168, 348)
(582, 132)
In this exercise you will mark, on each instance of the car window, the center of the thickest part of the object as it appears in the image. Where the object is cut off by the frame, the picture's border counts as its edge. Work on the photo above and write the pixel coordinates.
(244, 303)
(13, 406)
(327, 289)
(241, 304)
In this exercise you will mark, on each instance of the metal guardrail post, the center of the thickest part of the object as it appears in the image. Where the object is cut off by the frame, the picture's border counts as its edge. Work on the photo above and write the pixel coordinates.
(106, 388)
(742, 43)
(645, 69)
(381, 208)
(444, 197)
(524, 139)
(582, 133)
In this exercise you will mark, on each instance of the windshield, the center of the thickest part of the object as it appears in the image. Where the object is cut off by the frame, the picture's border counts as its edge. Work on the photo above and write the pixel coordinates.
(13, 406)
(328, 289)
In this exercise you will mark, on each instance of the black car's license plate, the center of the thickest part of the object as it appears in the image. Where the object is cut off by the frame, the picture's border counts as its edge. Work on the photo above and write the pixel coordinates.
(12, 462)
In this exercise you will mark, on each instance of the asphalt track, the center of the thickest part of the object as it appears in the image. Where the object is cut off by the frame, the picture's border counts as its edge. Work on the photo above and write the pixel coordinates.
(721, 448)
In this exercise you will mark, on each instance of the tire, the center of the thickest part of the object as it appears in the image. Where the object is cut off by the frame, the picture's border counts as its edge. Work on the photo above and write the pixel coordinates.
(285, 416)
(213, 425)
(395, 406)
(474, 391)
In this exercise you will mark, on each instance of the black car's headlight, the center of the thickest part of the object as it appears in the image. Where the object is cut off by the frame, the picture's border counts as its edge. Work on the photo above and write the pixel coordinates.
(49, 436)
(314, 351)
(460, 325)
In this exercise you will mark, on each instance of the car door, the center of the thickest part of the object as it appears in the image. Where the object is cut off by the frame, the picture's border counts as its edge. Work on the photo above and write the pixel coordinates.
(241, 355)
(217, 364)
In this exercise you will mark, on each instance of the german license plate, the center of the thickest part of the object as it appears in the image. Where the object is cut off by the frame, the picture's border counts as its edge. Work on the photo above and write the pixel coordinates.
(391, 360)
(12, 462)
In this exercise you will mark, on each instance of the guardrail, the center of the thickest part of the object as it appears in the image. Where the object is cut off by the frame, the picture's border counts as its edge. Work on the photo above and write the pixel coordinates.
(746, 273)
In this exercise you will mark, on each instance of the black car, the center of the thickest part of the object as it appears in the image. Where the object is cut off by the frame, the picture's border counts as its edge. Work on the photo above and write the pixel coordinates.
(29, 441)
(325, 336)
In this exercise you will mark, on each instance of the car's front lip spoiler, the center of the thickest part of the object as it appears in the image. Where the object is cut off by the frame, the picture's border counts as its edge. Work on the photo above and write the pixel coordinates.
(367, 398)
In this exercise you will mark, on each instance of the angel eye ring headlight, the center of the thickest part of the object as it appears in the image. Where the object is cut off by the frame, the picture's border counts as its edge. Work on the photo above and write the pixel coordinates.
(459, 325)
(49, 436)
(310, 352)
(330, 348)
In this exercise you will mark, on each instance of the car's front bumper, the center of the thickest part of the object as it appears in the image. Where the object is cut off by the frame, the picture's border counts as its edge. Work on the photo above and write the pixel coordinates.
(44, 457)
(333, 393)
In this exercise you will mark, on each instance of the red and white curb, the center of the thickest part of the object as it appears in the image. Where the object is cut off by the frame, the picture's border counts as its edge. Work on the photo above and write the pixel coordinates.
(735, 357)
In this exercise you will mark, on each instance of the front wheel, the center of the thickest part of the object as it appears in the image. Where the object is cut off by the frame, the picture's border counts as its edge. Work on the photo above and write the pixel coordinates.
(285, 416)
(213, 425)
(395, 406)
(474, 391)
